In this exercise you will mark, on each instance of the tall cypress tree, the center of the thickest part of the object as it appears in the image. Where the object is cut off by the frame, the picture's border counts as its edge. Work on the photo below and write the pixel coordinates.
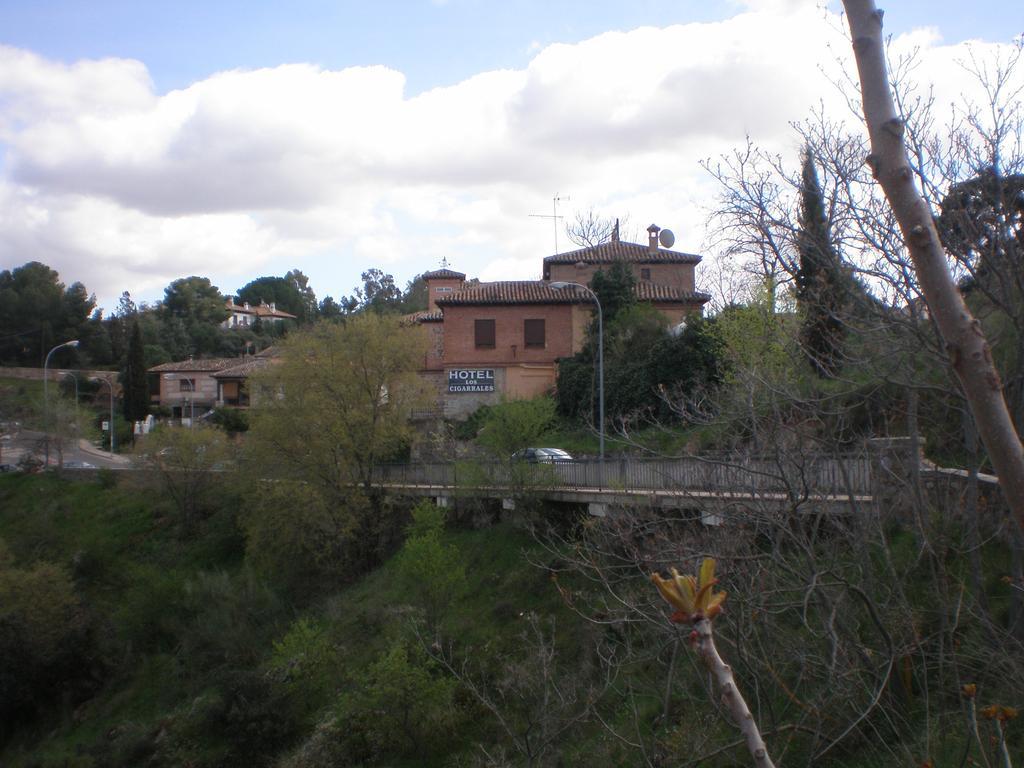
(136, 389)
(821, 294)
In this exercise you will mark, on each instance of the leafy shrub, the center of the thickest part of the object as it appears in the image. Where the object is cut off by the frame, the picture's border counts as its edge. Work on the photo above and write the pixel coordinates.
(46, 644)
(431, 573)
(324, 748)
(307, 661)
(400, 706)
(231, 420)
(252, 716)
(300, 537)
(516, 424)
(229, 620)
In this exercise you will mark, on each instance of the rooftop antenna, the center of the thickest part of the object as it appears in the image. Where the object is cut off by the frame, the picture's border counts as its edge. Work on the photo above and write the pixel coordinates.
(554, 215)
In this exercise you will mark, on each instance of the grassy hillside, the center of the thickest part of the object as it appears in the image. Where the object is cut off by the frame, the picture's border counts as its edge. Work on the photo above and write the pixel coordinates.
(186, 656)
(126, 642)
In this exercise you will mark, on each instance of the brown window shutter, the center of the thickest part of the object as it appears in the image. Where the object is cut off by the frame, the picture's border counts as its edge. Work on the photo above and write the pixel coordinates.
(484, 333)
(533, 334)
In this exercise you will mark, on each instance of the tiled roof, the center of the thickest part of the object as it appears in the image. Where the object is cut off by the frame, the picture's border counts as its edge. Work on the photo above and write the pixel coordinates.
(513, 292)
(617, 250)
(423, 317)
(443, 274)
(243, 369)
(187, 366)
(663, 293)
(541, 292)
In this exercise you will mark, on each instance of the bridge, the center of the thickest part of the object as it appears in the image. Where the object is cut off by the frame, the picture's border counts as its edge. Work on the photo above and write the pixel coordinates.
(714, 485)
(711, 484)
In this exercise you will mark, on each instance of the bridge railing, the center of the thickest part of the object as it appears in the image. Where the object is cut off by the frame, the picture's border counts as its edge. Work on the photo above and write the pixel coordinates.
(812, 475)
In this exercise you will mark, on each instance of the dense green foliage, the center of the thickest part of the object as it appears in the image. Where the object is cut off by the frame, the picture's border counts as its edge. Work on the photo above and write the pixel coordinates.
(649, 370)
(821, 291)
(37, 312)
(981, 223)
(171, 650)
(134, 380)
(290, 293)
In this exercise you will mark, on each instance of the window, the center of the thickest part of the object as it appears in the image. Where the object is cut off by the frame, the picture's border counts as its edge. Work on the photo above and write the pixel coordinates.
(533, 334)
(186, 385)
(483, 331)
(645, 273)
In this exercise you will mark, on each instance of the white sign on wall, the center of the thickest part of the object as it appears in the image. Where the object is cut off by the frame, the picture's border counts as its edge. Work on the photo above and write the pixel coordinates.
(471, 380)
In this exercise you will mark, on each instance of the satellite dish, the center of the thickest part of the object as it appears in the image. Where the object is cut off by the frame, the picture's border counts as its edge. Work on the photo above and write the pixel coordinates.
(666, 238)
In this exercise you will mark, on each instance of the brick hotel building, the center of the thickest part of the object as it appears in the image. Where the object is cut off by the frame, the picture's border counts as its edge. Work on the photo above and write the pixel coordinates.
(503, 339)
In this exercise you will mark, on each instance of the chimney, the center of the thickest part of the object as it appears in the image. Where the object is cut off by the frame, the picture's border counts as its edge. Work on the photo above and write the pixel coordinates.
(652, 237)
(273, 307)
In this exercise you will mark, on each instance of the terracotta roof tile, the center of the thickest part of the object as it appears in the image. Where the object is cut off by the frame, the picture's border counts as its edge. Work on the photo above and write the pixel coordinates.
(244, 369)
(443, 274)
(423, 317)
(617, 250)
(210, 364)
(663, 293)
(541, 292)
(513, 292)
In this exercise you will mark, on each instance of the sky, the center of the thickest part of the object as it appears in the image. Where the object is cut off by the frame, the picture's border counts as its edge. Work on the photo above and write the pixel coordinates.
(143, 142)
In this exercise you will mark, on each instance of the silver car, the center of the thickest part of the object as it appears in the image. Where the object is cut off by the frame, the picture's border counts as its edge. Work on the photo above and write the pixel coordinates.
(542, 455)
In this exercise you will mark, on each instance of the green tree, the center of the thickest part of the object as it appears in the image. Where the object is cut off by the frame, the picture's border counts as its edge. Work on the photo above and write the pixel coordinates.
(821, 289)
(37, 312)
(430, 572)
(614, 288)
(516, 424)
(192, 310)
(187, 465)
(194, 300)
(290, 293)
(648, 370)
(415, 297)
(335, 406)
(308, 311)
(329, 309)
(981, 223)
(133, 378)
(44, 636)
(378, 294)
(401, 705)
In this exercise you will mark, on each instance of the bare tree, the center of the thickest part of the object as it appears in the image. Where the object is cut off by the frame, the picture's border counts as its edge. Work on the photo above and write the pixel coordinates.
(535, 698)
(969, 353)
(589, 228)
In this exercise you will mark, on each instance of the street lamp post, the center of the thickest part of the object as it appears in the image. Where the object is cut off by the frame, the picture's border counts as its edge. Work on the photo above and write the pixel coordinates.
(74, 426)
(75, 379)
(110, 386)
(46, 392)
(559, 285)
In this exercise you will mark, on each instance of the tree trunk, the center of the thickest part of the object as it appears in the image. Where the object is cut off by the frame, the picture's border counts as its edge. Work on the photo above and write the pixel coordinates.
(731, 696)
(968, 351)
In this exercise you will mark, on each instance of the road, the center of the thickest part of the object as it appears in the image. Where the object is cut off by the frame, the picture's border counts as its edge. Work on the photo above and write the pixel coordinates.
(13, 446)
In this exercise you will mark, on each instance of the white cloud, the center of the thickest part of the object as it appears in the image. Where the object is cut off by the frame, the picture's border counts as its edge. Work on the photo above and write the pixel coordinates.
(334, 172)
